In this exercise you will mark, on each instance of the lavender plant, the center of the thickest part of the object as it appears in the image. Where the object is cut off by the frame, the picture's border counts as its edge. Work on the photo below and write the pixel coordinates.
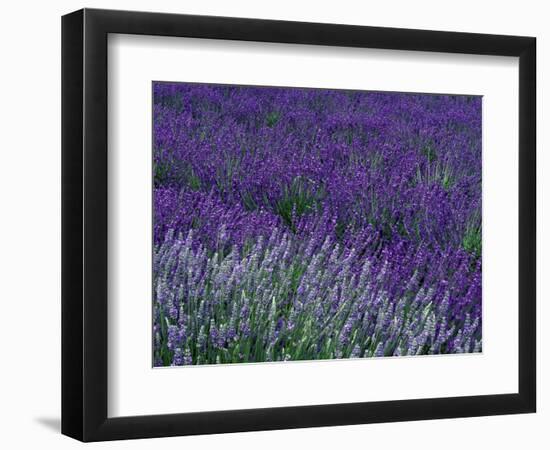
(301, 224)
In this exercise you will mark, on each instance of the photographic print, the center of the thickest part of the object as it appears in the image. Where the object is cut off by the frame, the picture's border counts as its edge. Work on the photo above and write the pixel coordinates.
(314, 224)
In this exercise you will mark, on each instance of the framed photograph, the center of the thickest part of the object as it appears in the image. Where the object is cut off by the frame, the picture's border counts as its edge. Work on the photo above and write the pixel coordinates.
(273, 224)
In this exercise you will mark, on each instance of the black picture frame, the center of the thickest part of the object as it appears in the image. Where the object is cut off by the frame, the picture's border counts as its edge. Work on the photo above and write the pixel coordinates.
(85, 237)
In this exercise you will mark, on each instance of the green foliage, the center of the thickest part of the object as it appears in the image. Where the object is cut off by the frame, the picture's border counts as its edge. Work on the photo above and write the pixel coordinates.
(160, 172)
(472, 240)
(437, 172)
(272, 119)
(226, 173)
(349, 136)
(297, 199)
(429, 152)
(340, 229)
(193, 181)
(377, 161)
(248, 201)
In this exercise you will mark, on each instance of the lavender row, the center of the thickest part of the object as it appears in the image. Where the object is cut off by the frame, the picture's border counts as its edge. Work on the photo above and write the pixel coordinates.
(405, 165)
(282, 300)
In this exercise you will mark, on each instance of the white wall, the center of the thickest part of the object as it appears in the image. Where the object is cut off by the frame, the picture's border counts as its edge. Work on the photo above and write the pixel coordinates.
(30, 223)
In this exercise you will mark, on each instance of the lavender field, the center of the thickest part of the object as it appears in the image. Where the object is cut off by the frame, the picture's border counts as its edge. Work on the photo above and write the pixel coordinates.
(302, 224)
